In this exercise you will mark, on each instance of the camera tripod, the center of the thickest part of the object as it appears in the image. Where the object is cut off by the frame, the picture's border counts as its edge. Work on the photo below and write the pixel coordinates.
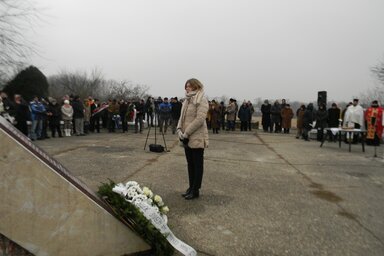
(149, 130)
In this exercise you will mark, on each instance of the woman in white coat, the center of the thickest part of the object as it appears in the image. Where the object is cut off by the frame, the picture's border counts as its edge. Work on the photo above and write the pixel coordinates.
(192, 131)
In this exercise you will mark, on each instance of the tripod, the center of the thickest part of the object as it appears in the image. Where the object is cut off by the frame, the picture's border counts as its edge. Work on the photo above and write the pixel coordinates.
(149, 130)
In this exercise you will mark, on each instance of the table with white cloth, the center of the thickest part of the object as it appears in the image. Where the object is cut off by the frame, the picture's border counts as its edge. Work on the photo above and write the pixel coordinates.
(340, 131)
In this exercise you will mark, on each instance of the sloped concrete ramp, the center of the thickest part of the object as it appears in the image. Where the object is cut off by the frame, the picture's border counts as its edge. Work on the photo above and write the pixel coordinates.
(47, 211)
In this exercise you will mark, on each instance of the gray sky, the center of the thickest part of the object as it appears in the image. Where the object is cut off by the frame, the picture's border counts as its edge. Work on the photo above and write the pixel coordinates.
(240, 48)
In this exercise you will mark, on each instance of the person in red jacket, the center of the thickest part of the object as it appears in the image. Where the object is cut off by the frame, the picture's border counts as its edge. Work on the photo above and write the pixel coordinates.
(374, 120)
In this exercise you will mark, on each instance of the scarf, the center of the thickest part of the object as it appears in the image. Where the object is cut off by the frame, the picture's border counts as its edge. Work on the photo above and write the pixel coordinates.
(196, 97)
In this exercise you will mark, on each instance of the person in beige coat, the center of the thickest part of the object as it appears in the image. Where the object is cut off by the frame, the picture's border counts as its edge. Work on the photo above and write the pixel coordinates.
(231, 115)
(193, 133)
(286, 118)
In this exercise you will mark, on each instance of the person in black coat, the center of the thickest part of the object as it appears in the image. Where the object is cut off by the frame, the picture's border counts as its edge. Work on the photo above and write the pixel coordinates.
(222, 115)
(276, 116)
(54, 115)
(333, 120)
(266, 116)
(95, 116)
(78, 115)
(321, 121)
(308, 119)
(123, 109)
(150, 110)
(175, 113)
(139, 120)
(22, 114)
(244, 115)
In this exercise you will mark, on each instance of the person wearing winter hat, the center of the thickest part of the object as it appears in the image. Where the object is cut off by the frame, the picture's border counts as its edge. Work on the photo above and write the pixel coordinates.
(67, 114)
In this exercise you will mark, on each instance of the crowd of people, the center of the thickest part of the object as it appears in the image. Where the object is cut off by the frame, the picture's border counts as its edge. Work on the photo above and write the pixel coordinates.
(73, 116)
(278, 118)
(221, 116)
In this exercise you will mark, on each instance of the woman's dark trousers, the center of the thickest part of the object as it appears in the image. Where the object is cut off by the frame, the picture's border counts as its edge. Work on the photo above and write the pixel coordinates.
(195, 160)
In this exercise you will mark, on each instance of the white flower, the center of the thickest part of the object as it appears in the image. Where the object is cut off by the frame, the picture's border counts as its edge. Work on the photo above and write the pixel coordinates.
(130, 190)
(139, 190)
(157, 199)
(132, 193)
(131, 183)
(147, 192)
(139, 198)
(164, 210)
(136, 195)
(135, 188)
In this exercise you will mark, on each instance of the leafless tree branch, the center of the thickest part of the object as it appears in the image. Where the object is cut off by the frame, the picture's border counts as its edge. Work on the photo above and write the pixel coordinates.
(17, 17)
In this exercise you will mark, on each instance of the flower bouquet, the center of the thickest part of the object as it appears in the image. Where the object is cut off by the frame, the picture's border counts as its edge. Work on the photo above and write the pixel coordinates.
(124, 199)
(133, 193)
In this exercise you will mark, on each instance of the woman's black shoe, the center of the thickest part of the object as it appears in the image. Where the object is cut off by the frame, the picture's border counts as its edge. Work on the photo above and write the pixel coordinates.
(192, 195)
(186, 193)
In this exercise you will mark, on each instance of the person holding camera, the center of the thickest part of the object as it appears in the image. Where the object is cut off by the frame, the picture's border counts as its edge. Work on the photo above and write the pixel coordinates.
(192, 131)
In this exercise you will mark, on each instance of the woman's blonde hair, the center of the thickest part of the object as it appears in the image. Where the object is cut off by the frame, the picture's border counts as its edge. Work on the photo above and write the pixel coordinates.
(194, 83)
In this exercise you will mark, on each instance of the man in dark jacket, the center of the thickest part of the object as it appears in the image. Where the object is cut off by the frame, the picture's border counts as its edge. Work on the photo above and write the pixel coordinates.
(150, 110)
(244, 115)
(222, 108)
(333, 120)
(276, 116)
(139, 120)
(175, 113)
(123, 109)
(22, 114)
(95, 116)
(54, 116)
(321, 121)
(266, 116)
(78, 115)
(308, 121)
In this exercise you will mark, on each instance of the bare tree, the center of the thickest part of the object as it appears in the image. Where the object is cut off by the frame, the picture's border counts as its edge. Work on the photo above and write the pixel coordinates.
(84, 85)
(17, 17)
(378, 71)
(377, 92)
(124, 90)
(77, 83)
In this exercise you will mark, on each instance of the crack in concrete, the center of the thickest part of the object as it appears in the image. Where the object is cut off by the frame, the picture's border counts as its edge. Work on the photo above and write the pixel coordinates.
(68, 150)
(267, 162)
(204, 253)
(236, 142)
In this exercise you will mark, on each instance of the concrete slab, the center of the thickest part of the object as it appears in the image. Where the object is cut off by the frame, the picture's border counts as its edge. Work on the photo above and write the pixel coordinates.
(47, 211)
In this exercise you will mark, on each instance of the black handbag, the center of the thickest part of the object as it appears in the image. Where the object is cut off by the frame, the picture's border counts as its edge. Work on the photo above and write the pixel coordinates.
(156, 148)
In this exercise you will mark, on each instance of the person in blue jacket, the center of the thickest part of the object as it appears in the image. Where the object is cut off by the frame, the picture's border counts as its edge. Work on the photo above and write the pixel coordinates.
(38, 113)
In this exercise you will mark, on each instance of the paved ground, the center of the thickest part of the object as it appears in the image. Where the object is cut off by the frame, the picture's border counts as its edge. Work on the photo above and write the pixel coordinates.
(263, 194)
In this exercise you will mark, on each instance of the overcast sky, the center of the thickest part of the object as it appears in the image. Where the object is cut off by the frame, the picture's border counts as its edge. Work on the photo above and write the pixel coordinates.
(240, 48)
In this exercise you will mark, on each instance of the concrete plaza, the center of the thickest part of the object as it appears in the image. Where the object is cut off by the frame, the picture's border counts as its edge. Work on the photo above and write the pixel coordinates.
(262, 193)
